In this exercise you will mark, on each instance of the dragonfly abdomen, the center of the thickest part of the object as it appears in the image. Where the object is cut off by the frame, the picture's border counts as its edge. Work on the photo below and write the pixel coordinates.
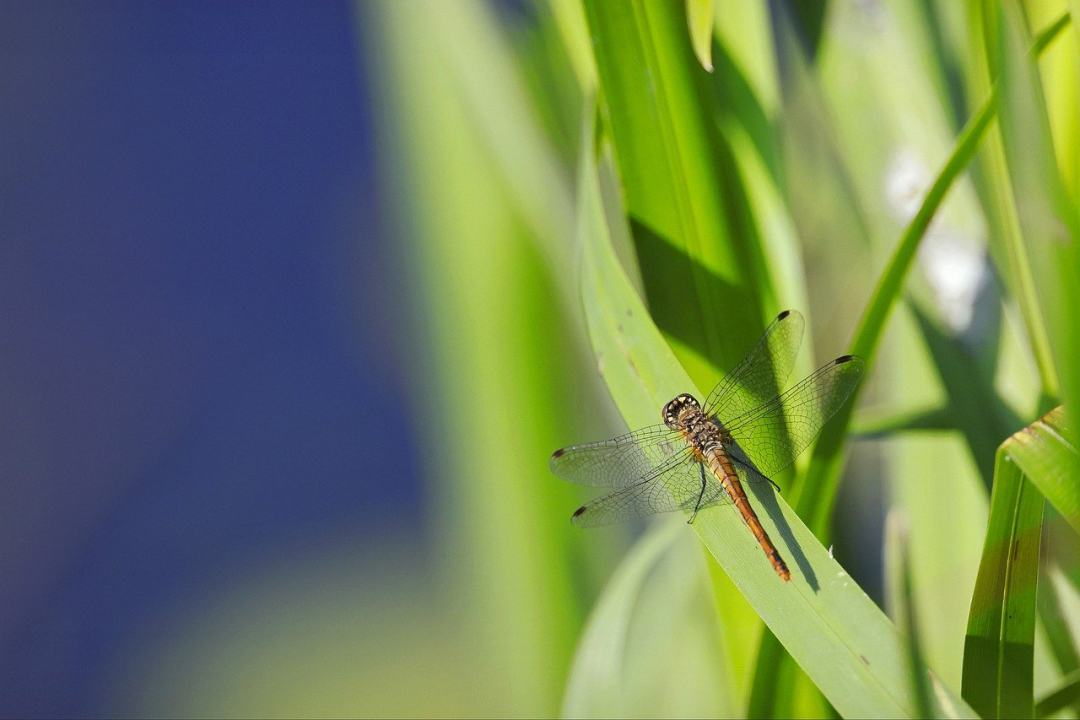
(722, 467)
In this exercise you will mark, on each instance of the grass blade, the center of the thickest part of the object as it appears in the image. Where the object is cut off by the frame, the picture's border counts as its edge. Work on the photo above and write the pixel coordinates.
(999, 646)
(521, 617)
(817, 493)
(684, 198)
(902, 609)
(650, 646)
(1045, 453)
(1066, 695)
(835, 632)
(1048, 216)
(699, 17)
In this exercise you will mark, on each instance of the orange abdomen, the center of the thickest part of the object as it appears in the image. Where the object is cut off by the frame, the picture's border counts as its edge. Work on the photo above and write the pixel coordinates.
(721, 465)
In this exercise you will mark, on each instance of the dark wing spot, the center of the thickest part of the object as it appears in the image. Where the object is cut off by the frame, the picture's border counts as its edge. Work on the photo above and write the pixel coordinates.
(863, 658)
(578, 511)
(843, 359)
(783, 315)
(558, 453)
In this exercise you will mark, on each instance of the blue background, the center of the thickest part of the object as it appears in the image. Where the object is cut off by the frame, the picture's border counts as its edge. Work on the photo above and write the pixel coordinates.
(199, 345)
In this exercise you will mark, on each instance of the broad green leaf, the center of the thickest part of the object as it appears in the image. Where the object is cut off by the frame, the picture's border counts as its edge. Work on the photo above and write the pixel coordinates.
(1045, 453)
(839, 637)
(696, 243)
(705, 279)
(699, 18)
(998, 650)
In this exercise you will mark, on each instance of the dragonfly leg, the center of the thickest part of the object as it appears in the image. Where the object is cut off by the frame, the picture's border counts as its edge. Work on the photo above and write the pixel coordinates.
(697, 505)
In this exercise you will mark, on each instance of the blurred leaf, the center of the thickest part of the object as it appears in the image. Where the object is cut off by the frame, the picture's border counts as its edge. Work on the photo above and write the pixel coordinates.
(649, 647)
(1066, 695)
(472, 252)
(570, 19)
(869, 425)
(902, 609)
(834, 631)
(807, 17)
(998, 649)
(974, 406)
(1045, 453)
(1048, 217)
(994, 185)
(699, 17)
(817, 493)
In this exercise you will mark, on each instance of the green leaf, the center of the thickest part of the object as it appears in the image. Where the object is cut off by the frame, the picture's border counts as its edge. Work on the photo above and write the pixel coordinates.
(995, 188)
(699, 17)
(817, 493)
(1045, 452)
(1067, 694)
(902, 608)
(696, 242)
(839, 637)
(650, 647)
(877, 425)
(522, 617)
(1048, 217)
(999, 645)
(707, 285)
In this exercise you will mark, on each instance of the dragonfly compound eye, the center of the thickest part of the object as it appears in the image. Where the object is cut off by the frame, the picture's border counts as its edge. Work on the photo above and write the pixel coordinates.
(674, 409)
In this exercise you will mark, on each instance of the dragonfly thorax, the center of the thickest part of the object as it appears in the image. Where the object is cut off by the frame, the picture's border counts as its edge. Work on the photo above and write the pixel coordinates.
(678, 412)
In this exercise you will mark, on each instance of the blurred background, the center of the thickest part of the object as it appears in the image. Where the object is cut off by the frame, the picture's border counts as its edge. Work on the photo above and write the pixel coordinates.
(291, 325)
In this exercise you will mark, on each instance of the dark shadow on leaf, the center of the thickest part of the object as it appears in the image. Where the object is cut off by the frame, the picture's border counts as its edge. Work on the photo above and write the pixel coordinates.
(765, 493)
(677, 288)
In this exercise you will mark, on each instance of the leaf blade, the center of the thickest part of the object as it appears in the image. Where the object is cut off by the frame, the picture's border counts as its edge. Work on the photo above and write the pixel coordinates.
(840, 638)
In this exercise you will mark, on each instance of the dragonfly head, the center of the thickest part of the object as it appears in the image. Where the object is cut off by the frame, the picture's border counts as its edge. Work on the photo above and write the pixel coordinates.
(673, 411)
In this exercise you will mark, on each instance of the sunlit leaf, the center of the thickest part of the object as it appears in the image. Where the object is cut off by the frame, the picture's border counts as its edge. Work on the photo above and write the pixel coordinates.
(838, 636)
(998, 649)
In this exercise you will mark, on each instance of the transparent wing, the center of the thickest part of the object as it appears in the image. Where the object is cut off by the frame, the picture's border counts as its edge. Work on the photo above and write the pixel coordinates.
(761, 374)
(675, 486)
(620, 461)
(771, 436)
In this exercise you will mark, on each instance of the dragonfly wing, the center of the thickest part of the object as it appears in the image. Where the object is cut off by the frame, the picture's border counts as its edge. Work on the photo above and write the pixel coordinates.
(675, 486)
(770, 437)
(620, 461)
(760, 375)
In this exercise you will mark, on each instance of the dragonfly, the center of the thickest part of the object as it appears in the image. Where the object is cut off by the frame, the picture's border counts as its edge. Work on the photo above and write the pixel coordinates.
(701, 455)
